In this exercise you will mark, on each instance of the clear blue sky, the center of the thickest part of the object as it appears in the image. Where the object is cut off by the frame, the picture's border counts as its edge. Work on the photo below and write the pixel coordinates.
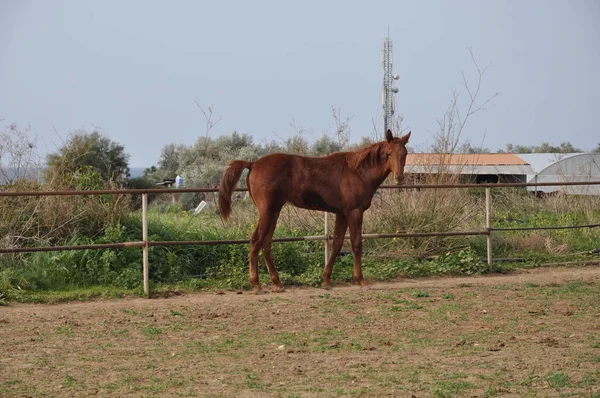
(135, 68)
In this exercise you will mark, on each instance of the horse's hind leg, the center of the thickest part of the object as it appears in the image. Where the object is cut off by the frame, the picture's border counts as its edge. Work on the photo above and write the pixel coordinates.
(267, 255)
(261, 240)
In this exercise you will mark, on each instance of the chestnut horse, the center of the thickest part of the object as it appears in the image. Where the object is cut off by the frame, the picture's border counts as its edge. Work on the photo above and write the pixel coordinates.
(342, 183)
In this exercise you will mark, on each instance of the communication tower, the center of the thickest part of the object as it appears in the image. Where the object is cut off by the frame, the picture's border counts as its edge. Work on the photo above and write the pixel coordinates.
(389, 90)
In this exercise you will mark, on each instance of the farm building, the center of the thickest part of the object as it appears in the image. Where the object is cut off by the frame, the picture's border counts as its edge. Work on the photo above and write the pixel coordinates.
(472, 168)
(506, 167)
(562, 167)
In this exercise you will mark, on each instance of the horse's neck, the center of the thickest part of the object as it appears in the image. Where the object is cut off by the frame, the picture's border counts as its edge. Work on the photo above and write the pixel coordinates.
(375, 176)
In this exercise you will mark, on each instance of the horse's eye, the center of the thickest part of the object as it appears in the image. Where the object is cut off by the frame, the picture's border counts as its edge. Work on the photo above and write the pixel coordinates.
(389, 154)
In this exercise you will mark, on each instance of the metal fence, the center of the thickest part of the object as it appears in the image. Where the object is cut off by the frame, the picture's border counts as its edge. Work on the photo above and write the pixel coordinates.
(145, 244)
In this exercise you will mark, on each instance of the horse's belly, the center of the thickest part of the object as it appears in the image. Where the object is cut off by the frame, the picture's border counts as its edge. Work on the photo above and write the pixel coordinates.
(312, 200)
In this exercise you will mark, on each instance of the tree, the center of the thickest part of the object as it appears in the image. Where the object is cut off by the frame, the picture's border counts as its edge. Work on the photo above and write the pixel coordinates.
(342, 128)
(91, 152)
(234, 142)
(169, 159)
(18, 156)
(468, 148)
(296, 144)
(597, 149)
(452, 124)
(324, 146)
(544, 147)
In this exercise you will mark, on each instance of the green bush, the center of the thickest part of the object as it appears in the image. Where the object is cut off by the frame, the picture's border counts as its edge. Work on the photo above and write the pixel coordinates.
(226, 266)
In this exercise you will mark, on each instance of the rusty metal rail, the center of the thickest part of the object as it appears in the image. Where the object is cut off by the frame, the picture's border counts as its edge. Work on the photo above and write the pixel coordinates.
(208, 190)
(225, 241)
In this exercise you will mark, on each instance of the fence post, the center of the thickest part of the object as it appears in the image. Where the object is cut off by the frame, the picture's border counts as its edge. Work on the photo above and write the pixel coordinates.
(326, 237)
(145, 247)
(488, 224)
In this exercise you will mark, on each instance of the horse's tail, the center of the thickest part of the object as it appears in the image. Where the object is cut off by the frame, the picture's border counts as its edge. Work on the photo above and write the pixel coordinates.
(229, 180)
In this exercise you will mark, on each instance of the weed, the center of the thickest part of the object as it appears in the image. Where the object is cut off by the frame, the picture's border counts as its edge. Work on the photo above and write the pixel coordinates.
(451, 388)
(68, 382)
(557, 380)
(151, 331)
(252, 381)
(175, 313)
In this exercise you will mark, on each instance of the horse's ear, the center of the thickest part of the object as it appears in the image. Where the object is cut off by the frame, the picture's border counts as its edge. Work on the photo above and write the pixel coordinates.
(405, 138)
(389, 136)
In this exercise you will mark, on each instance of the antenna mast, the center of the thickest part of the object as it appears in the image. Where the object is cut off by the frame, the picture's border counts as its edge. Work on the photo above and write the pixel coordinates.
(388, 89)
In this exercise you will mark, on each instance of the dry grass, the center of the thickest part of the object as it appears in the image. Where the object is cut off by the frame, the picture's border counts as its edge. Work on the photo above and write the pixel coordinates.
(443, 210)
(31, 220)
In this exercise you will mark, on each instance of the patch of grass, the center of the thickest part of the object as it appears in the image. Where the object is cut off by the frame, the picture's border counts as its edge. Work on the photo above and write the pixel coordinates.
(68, 382)
(175, 313)
(588, 381)
(400, 305)
(451, 388)
(576, 287)
(557, 380)
(152, 331)
(420, 293)
(252, 381)
(70, 294)
(491, 391)
(130, 311)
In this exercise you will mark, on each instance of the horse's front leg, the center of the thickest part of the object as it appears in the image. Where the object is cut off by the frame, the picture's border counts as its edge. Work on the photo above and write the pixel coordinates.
(341, 225)
(355, 219)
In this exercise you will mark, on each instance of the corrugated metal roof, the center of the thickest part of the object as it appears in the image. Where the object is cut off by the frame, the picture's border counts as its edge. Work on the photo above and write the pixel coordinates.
(540, 161)
(510, 169)
(551, 167)
(480, 159)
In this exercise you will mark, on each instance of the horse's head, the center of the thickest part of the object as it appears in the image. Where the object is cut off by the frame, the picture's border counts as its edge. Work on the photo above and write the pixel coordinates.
(395, 152)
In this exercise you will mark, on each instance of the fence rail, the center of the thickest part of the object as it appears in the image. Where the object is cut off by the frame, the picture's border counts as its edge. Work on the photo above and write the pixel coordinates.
(145, 244)
(214, 190)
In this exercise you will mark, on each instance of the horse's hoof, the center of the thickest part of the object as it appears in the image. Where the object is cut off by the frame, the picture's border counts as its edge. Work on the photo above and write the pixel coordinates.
(259, 292)
(279, 289)
(328, 288)
(365, 287)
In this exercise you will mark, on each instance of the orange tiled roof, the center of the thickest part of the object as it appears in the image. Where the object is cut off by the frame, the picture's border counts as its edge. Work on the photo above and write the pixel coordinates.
(480, 159)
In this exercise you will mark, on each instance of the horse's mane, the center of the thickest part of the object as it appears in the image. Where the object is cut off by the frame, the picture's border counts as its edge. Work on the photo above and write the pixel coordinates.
(367, 156)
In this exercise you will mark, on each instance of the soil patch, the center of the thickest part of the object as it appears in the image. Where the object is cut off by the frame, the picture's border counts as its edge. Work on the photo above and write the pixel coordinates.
(536, 332)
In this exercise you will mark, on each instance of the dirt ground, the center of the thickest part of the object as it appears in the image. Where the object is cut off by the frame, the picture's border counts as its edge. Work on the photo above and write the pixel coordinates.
(531, 333)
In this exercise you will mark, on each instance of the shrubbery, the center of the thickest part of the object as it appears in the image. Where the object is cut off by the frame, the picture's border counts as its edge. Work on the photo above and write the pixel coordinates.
(78, 220)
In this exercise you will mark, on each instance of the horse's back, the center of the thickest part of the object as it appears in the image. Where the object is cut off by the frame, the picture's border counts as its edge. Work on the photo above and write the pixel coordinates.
(299, 170)
(308, 182)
